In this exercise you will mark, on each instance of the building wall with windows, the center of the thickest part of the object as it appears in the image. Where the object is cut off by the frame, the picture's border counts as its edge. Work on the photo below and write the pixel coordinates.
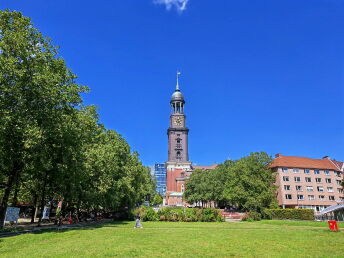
(160, 177)
(307, 183)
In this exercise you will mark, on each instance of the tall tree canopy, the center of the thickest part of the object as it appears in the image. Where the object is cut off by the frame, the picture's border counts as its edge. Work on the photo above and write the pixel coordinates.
(247, 183)
(51, 146)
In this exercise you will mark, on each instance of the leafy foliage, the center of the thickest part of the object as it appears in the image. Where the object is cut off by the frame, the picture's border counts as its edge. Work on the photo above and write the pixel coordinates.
(157, 200)
(52, 147)
(180, 214)
(247, 184)
(299, 214)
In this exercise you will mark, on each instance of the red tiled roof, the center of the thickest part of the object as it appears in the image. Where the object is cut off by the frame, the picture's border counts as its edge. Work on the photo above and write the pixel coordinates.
(339, 164)
(205, 167)
(301, 162)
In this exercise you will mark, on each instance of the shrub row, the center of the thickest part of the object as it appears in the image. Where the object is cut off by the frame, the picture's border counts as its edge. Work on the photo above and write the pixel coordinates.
(180, 214)
(301, 214)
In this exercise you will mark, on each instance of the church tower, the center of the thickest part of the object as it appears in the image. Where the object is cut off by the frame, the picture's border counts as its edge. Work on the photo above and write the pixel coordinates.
(178, 153)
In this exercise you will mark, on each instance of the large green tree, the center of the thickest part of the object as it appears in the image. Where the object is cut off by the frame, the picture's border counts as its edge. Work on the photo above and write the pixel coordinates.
(36, 91)
(250, 183)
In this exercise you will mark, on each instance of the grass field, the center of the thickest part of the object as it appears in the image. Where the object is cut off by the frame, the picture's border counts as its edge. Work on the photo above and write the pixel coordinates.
(177, 239)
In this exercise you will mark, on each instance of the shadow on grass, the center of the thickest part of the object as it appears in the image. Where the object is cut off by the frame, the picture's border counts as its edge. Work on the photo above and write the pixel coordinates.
(66, 228)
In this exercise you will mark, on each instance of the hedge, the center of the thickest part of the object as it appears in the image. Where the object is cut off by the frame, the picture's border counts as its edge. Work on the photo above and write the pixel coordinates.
(180, 214)
(298, 214)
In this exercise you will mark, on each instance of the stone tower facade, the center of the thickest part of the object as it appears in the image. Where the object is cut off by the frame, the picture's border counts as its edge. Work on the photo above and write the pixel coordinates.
(178, 152)
(178, 166)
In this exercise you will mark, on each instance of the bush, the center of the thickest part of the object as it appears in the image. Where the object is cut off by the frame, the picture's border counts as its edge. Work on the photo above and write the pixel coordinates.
(147, 213)
(180, 214)
(251, 216)
(297, 214)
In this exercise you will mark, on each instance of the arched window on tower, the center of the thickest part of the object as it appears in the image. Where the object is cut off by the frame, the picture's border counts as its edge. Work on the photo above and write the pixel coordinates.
(178, 145)
(178, 155)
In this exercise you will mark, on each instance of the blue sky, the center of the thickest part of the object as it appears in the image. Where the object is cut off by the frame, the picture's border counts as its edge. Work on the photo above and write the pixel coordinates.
(257, 75)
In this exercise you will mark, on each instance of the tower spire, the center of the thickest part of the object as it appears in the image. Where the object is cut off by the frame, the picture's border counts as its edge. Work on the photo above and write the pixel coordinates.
(177, 86)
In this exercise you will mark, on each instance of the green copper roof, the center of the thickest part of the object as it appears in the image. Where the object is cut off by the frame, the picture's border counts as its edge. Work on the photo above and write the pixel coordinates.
(176, 194)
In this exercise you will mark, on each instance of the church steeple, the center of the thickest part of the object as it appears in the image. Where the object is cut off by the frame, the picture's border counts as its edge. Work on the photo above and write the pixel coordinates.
(177, 100)
(177, 132)
(177, 85)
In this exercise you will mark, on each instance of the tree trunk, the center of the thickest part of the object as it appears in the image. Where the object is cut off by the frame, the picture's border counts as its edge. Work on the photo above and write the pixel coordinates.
(35, 208)
(16, 189)
(6, 196)
(43, 198)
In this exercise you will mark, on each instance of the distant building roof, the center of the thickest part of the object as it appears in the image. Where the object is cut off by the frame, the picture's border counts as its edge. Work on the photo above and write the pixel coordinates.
(302, 162)
(205, 167)
(339, 164)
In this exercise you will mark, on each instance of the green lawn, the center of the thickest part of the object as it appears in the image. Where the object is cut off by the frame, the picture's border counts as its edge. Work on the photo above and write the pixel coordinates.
(177, 239)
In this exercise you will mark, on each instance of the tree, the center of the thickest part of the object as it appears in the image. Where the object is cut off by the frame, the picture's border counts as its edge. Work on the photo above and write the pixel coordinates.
(51, 146)
(206, 187)
(250, 184)
(36, 90)
(157, 200)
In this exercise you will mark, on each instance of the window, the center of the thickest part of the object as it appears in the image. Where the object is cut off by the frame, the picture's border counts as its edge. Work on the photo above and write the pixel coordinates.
(308, 179)
(311, 197)
(341, 199)
(331, 198)
(178, 155)
(326, 172)
(297, 179)
(338, 182)
(318, 180)
(328, 180)
(285, 170)
(296, 170)
(309, 188)
(182, 187)
(286, 178)
(287, 187)
(321, 197)
(330, 189)
(306, 171)
(288, 196)
(300, 197)
(338, 174)
(298, 188)
(316, 172)
(320, 189)
(339, 190)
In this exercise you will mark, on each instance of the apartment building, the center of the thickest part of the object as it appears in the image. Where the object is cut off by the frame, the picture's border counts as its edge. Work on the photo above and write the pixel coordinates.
(307, 183)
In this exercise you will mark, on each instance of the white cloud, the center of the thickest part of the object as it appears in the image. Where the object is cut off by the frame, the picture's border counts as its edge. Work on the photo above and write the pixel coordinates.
(180, 5)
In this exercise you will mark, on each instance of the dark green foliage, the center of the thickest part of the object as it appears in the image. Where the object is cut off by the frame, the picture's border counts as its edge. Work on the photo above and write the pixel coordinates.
(297, 214)
(157, 200)
(247, 184)
(52, 147)
(180, 214)
(147, 213)
(205, 187)
(251, 184)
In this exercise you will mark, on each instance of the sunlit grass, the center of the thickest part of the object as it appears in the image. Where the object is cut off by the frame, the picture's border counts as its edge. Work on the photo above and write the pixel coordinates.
(180, 239)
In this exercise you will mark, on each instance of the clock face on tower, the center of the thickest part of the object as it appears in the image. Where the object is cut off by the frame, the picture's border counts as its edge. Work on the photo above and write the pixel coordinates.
(178, 121)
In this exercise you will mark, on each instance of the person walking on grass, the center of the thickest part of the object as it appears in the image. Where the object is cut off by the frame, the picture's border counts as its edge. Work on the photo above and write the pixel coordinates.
(138, 222)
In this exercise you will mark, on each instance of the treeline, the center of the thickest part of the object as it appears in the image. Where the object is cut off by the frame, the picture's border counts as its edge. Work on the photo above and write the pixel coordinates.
(52, 147)
(246, 184)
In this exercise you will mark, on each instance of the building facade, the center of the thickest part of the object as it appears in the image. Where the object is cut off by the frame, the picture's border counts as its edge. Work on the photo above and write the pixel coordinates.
(308, 183)
(160, 177)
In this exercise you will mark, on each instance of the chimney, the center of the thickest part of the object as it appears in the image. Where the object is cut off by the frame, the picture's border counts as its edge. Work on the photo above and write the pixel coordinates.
(327, 157)
(278, 155)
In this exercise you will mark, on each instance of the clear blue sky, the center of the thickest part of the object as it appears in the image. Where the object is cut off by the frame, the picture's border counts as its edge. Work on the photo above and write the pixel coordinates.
(257, 75)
